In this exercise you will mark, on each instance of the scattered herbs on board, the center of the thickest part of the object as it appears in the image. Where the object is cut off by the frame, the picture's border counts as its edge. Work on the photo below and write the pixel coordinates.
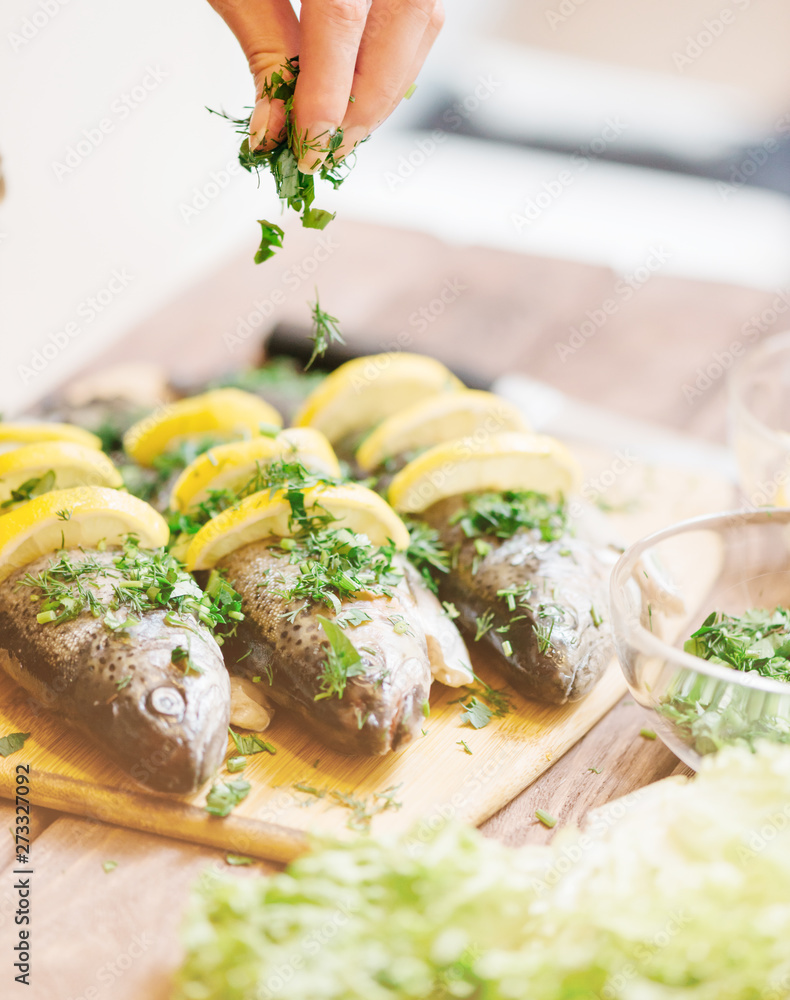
(12, 743)
(249, 744)
(224, 796)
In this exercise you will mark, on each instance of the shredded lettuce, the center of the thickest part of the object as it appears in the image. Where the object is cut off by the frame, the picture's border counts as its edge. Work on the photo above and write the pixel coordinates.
(680, 891)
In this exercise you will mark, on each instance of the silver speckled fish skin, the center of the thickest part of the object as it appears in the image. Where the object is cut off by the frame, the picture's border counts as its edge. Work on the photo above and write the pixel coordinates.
(382, 709)
(165, 728)
(569, 573)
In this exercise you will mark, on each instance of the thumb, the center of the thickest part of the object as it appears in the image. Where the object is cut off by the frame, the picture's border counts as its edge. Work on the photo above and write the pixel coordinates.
(268, 32)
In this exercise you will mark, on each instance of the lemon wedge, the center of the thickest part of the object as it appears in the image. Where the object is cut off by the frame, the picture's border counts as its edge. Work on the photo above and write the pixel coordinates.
(232, 466)
(72, 465)
(361, 393)
(14, 434)
(506, 461)
(83, 516)
(471, 413)
(263, 514)
(226, 413)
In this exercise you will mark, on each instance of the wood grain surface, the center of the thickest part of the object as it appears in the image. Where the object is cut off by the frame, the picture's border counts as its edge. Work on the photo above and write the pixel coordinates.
(520, 308)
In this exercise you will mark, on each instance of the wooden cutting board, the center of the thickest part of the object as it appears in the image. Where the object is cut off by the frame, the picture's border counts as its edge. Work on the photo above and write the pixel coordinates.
(307, 788)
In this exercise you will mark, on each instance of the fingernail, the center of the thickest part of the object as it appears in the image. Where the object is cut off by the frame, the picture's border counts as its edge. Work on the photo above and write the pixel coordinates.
(259, 122)
(316, 147)
(351, 137)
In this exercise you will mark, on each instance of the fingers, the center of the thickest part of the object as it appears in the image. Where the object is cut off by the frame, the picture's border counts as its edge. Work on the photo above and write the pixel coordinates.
(268, 32)
(397, 38)
(331, 31)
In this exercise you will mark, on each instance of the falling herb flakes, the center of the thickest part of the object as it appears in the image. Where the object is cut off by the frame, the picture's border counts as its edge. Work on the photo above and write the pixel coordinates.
(295, 189)
(326, 331)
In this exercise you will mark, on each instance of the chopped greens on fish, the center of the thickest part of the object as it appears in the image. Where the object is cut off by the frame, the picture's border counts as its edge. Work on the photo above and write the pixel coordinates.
(527, 589)
(119, 644)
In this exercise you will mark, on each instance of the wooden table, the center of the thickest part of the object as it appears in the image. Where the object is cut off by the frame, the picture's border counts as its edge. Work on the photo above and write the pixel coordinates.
(114, 935)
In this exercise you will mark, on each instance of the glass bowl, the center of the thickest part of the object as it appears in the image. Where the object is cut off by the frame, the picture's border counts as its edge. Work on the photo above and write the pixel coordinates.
(663, 588)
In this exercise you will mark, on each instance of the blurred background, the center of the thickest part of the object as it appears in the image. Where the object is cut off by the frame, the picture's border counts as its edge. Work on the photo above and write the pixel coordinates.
(626, 134)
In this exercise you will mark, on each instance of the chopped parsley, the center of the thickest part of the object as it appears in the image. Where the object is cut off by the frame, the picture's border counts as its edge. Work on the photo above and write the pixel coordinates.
(326, 331)
(141, 580)
(236, 764)
(477, 714)
(109, 866)
(485, 703)
(484, 624)
(285, 473)
(503, 514)
(464, 746)
(545, 818)
(294, 188)
(758, 640)
(225, 795)
(12, 743)
(353, 617)
(342, 661)
(425, 552)
(648, 734)
(250, 744)
(238, 859)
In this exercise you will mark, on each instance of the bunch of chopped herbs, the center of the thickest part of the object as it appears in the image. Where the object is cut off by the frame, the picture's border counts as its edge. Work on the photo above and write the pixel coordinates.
(503, 514)
(758, 640)
(295, 189)
(425, 552)
(710, 713)
(141, 580)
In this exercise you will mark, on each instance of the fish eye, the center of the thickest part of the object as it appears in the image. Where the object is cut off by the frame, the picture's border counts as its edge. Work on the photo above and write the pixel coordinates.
(167, 701)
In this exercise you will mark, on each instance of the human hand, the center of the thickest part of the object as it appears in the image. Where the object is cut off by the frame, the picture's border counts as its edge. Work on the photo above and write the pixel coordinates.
(357, 60)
